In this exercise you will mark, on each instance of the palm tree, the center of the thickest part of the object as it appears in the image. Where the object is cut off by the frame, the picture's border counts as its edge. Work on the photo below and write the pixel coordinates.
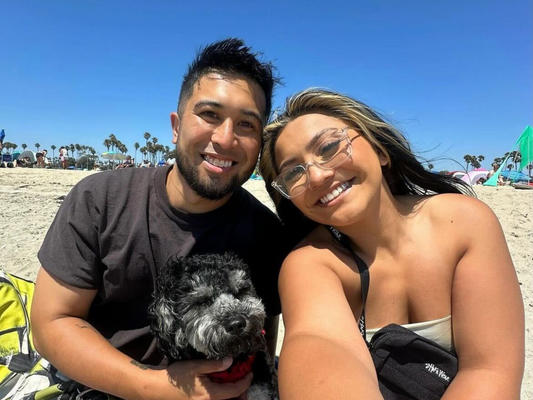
(146, 137)
(430, 167)
(93, 152)
(24, 145)
(517, 158)
(113, 140)
(107, 144)
(505, 156)
(53, 147)
(155, 149)
(37, 145)
(468, 160)
(475, 162)
(143, 152)
(136, 146)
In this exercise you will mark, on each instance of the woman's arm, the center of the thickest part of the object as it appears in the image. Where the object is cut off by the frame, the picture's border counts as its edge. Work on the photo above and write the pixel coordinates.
(323, 354)
(487, 308)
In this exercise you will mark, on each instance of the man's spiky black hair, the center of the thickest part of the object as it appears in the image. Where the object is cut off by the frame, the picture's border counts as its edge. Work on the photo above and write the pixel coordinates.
(227, 57)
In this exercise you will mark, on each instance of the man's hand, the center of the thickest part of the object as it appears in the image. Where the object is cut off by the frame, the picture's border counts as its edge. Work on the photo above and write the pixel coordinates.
(190, 377)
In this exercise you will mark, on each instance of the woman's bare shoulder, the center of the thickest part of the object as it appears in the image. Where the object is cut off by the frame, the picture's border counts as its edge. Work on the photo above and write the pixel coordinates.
(319, 245)
(457, 219)
(457, 207)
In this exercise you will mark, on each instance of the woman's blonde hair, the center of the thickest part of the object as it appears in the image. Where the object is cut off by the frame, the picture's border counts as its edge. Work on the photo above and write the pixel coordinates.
(404, 173)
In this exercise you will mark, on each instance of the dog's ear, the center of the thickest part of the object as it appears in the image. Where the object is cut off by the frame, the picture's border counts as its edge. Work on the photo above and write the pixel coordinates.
(164, 318)
(167, 327)
(176, 263)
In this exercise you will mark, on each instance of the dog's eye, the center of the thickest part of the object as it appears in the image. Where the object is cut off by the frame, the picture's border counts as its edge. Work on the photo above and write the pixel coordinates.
(203, 301)
(244, 288)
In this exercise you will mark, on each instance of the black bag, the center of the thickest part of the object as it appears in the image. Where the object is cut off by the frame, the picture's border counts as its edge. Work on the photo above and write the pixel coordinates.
(408, 365)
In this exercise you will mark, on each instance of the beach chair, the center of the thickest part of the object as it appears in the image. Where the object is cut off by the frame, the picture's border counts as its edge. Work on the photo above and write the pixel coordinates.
(7, 160)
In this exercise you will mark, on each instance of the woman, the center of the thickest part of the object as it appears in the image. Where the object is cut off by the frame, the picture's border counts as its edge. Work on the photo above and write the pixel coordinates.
(63, 157)
(435, 256)
(41, 158)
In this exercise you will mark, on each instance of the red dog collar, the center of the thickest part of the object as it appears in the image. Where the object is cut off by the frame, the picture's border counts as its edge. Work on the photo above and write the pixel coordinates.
(236, 371)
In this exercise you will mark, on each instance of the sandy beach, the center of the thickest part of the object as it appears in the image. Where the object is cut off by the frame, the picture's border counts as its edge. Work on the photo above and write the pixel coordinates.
(30, 198)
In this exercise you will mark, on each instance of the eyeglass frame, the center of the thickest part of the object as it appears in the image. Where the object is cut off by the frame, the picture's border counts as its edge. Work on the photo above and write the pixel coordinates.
(345, 136)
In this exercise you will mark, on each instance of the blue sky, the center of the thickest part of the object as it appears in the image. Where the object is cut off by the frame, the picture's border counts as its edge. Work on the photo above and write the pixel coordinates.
(454, 76)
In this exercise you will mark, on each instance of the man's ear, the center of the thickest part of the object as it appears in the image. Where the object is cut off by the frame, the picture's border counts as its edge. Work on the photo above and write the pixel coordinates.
(175, 123)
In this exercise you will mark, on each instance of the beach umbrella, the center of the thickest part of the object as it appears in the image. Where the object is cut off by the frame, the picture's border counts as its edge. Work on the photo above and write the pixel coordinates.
(113, 155)
(474, 176)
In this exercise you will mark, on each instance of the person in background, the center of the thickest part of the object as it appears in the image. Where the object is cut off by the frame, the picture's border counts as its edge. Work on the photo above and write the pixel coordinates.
(41, 157)
(495, 167)
(63, 157)
(2, 137)
(128, 162)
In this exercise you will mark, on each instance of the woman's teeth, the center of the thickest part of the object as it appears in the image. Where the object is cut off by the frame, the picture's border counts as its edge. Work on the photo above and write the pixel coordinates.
(218, 163)
(335, 193)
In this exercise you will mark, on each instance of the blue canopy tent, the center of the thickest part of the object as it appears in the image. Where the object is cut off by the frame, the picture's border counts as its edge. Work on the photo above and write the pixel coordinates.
(516, 176)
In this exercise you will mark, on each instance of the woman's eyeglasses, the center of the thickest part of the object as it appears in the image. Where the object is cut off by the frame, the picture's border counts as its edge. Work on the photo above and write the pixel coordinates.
(332, 149)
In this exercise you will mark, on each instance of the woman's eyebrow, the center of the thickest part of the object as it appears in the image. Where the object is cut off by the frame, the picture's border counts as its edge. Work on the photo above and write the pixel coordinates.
(291, 160)
(309, 146)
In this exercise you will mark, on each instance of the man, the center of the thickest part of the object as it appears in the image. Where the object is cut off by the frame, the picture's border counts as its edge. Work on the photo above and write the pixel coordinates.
(126, 164)
(101, 255)
(495, 167)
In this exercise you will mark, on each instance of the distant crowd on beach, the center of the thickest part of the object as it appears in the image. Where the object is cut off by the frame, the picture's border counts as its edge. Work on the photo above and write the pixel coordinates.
(40, 159)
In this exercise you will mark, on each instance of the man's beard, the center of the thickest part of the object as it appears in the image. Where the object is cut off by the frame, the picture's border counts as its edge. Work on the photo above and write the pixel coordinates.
(208, 188)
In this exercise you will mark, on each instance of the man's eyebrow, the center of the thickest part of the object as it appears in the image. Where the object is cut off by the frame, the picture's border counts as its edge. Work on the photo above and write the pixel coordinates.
(253, 114)
(216, 104)
(211, 103)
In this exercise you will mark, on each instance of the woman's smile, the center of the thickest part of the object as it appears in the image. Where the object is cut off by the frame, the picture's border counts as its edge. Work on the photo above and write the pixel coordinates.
(335, 195)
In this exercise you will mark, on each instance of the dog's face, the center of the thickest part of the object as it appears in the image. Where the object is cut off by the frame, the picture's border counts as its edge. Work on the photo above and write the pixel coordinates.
(207, 303)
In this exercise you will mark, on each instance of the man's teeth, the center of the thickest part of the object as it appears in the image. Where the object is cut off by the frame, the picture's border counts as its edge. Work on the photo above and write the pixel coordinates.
(218, 163)
(335, 193)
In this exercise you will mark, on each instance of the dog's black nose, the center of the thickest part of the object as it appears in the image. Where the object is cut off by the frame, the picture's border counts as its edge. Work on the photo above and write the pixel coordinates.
(235, 324)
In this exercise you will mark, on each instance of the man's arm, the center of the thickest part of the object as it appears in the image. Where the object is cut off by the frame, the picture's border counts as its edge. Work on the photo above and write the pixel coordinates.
(62, 335)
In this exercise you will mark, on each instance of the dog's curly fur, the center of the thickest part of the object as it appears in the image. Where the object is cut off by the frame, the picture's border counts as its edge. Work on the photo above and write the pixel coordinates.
(205, 306)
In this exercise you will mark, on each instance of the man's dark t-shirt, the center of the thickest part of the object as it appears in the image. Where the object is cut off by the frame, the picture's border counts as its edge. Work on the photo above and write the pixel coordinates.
(116, 229)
